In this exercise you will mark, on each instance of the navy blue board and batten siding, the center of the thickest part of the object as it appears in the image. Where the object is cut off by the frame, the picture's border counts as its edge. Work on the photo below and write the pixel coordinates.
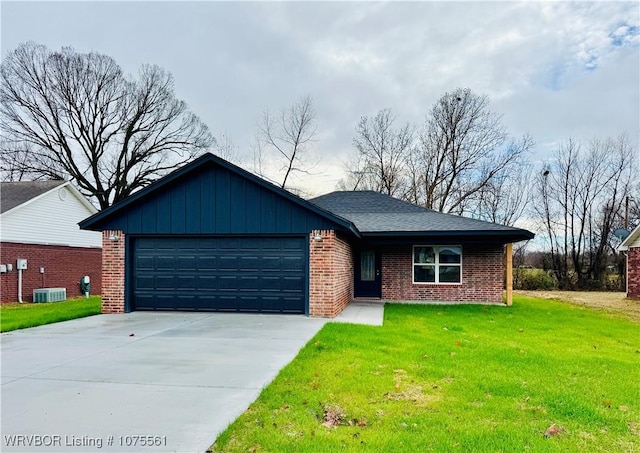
(213, 237)
(215, 202)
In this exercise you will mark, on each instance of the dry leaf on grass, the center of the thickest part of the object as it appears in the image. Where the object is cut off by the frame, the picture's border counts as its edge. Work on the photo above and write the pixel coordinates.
(332, 416)
(553, 430)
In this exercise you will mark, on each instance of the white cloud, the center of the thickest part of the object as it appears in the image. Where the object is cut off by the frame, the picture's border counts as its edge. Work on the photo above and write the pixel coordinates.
(553, 69)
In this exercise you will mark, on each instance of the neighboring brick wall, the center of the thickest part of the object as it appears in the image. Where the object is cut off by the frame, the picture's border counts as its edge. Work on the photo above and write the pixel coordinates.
(63, 268)
(483, 270)
(113, 259)
(633, 273)
(330, 274)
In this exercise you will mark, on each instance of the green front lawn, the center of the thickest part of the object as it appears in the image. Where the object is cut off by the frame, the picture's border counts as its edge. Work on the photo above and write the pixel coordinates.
(540, 376)
(20, 316)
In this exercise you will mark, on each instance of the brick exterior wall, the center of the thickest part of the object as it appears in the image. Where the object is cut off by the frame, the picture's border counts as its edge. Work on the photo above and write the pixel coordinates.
(330, 274)
(633, 273)
(483, 270)
(113, 259)
(63, 268)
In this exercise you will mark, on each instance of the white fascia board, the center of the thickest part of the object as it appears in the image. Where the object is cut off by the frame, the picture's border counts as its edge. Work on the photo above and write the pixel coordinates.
(630, 240)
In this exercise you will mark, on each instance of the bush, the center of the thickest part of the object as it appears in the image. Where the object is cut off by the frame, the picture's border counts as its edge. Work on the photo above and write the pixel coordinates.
(614, 282)
(532, 279)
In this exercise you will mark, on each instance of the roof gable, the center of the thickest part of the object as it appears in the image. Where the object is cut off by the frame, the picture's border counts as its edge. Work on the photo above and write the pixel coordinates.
(212, 196)
(50, 218)
(14, 194)
(17, 195)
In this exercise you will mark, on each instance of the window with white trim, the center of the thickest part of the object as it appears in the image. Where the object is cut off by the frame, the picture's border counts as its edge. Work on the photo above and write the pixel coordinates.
(437, 264)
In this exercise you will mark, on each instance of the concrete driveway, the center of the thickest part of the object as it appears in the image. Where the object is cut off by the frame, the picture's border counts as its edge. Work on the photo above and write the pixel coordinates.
(94, 384)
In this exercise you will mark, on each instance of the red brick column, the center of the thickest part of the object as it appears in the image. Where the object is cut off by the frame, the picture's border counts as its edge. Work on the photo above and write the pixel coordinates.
(113, 256)
(633, 273)
(330, 274)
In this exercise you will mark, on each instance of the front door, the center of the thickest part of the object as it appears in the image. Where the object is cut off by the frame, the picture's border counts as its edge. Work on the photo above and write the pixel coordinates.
(367, 278)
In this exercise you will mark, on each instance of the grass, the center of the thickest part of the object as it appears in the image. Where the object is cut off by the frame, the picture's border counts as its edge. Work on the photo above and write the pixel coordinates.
(20, 316)
(540, 376)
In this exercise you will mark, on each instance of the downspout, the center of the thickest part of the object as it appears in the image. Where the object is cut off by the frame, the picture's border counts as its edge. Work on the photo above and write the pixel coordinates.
(20, 285)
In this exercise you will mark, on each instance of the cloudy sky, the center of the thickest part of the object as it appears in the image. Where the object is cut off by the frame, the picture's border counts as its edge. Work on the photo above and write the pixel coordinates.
(555, 70)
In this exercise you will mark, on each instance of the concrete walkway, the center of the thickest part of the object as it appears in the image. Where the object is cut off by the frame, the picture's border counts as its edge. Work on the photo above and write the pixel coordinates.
(94, 384)
(362, 312)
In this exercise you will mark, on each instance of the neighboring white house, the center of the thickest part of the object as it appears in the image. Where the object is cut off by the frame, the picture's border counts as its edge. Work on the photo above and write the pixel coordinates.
(39, 223)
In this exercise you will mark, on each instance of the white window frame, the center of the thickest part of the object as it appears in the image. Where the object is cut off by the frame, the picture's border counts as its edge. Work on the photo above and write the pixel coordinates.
(436, 264)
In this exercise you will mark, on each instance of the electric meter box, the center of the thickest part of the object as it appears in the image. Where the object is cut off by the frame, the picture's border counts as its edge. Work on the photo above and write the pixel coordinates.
(21, 264)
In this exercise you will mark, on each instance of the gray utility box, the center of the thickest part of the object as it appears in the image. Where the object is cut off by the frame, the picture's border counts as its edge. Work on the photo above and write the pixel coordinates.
(49, 294)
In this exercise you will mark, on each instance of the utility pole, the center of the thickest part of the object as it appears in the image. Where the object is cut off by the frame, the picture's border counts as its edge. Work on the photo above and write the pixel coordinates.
(626, 213)
(627, 199)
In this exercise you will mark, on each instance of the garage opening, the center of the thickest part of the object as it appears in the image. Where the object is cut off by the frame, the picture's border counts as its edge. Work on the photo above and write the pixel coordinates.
(247, 274)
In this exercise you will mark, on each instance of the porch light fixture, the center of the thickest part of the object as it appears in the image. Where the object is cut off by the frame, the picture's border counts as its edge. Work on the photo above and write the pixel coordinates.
(318, 238)
(114, 238)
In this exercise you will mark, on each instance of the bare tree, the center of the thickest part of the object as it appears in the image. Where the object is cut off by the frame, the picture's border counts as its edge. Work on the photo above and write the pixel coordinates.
(580, 198)
(463, 148)
(225, 147)
(78, 117)
(382, 151)
(506, 197)
(288, 135)
(357, 177)
(10, 170)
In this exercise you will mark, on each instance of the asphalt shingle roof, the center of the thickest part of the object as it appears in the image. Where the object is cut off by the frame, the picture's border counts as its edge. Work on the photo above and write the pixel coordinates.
(14, 194)
(373, 212)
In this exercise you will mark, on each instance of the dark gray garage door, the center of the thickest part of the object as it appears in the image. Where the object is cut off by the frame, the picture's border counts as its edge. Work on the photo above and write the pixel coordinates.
(219, 274)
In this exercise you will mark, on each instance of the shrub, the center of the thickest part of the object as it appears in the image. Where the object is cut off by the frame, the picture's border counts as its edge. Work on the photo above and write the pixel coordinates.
(531, 279)
(614, 282)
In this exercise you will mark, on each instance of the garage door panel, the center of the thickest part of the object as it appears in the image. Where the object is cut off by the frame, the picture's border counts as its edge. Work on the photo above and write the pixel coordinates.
(228, 262)
(186, 282)
(271, 263)
(291, 284)
(207, 283)
(249, 303)
(292, 263)
(227, 243)
(164, 302)
(289, 305)
(250, 263)
(165, 283)
(293, 244)
(248, 245)
(165, 262)
(161, 245)
(206, 301)
(248, 283)
(271, 283)
(145, 262)
(186, 262)
(207, 263)
(227, 282)
(144, 301)
(262, 274)
(145, 282)
(227, 303)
